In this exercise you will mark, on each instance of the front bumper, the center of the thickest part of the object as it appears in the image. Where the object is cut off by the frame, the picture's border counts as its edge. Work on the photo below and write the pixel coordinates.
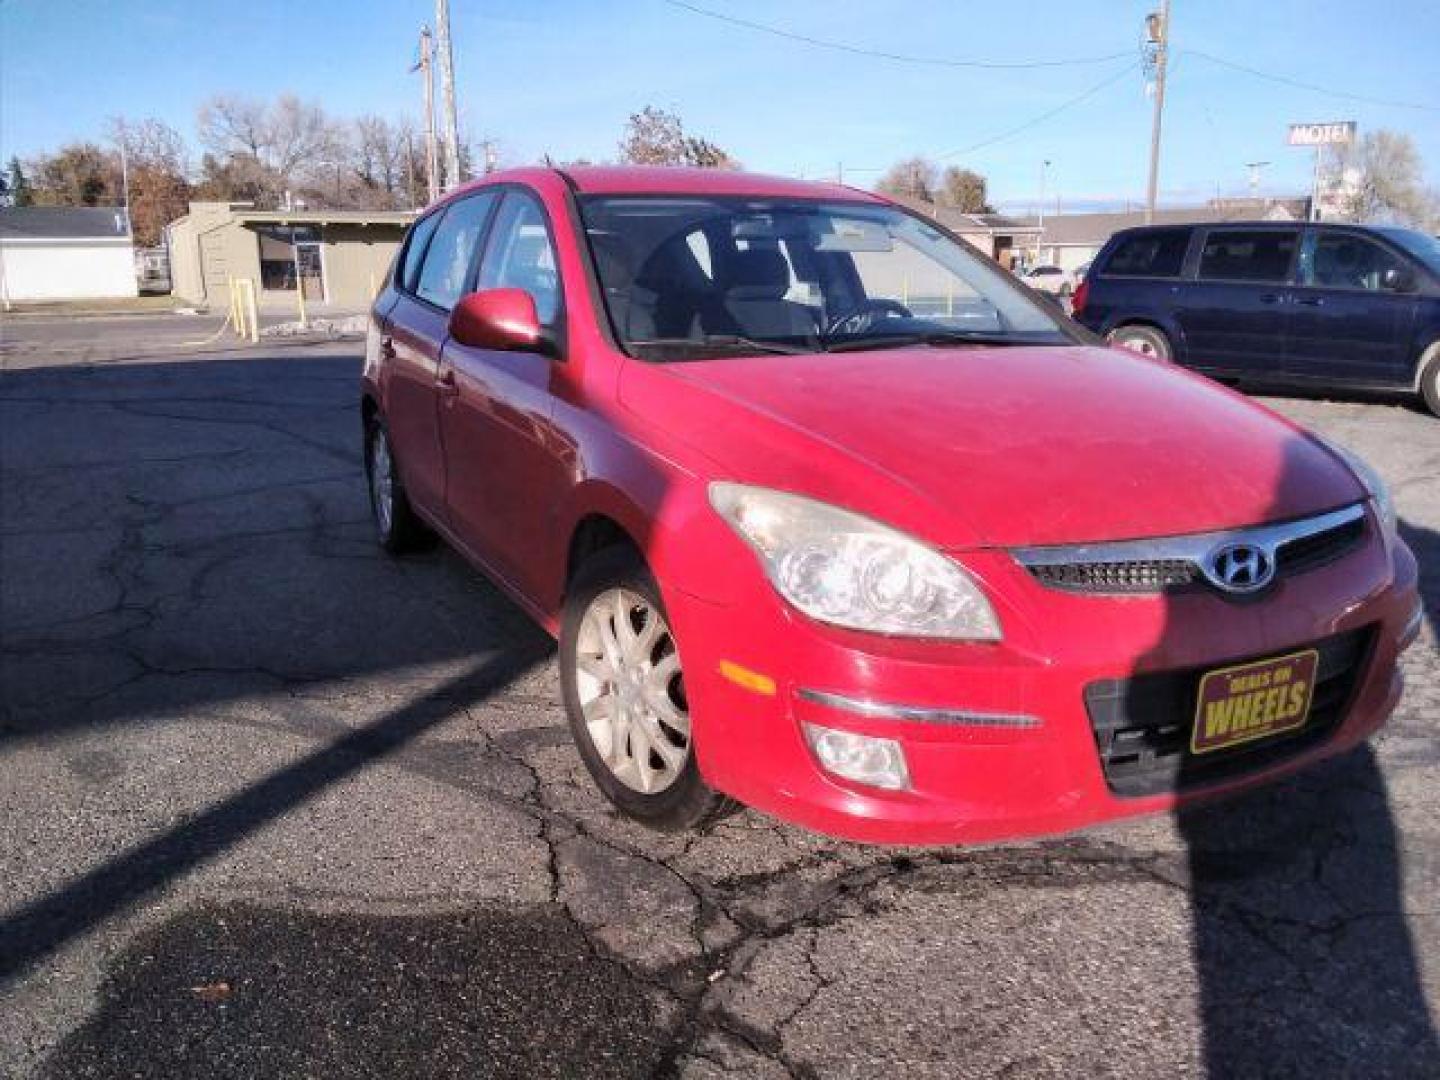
(1035, 770)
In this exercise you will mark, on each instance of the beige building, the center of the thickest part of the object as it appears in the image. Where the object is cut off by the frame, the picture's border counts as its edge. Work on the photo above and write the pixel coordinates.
(336, 257)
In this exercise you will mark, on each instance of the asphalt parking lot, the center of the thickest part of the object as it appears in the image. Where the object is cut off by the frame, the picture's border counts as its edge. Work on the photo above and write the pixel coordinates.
(273, 804)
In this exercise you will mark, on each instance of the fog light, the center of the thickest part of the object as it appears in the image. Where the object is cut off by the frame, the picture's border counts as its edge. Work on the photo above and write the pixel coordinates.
(862, 758)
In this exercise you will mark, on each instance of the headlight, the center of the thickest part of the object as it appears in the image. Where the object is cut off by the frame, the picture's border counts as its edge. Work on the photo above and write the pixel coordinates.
(1366, 474)
(845, 569)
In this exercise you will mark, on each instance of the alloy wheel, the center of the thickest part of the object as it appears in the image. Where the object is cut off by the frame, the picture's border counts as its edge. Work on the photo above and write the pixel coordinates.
(1136, 343)
(631, 691)
(382, 481)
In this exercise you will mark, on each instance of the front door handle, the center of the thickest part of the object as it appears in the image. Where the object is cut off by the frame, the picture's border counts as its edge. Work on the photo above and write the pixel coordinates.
(1311, 301)
(1271, 298)
(387, 347)
(445, 383)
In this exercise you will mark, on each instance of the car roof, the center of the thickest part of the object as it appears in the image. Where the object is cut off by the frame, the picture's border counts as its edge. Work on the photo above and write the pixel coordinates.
(1227, 226)
(666, 180)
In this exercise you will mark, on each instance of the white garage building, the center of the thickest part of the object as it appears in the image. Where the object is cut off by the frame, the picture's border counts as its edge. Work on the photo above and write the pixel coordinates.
(65, 253)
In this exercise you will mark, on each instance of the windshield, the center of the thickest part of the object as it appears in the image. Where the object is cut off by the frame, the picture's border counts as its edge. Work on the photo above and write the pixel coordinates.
(688, 276)
(1425, 248)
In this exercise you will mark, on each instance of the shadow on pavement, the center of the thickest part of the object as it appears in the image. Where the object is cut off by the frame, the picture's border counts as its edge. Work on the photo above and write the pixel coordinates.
(40, 928)
(179, 535)
(1305, 962)
(241, 991)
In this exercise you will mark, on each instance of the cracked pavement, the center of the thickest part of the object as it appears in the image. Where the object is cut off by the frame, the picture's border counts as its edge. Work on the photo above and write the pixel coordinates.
(274, 804)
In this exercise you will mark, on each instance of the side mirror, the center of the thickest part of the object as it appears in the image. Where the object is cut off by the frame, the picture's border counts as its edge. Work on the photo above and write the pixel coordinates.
(499, 319)
(1400, 279)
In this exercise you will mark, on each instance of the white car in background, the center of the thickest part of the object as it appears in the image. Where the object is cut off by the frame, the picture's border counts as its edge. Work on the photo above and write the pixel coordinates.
(1050, 279)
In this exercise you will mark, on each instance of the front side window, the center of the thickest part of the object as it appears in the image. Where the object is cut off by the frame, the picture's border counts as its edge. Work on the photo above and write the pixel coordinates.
(1422, 246)
(444, 275)
(1151, 254)
(519, 255)
(1249, 255)
(686, 275)
(1346, 261)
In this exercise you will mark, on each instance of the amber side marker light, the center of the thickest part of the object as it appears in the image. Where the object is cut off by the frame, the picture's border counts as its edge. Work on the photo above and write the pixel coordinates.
(747, 679)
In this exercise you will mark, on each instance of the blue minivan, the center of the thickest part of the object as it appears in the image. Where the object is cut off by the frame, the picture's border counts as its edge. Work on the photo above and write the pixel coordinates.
(1316, 305)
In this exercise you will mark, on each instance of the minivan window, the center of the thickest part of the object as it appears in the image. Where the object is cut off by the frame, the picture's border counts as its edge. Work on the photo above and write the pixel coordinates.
(1248, 255)
(1345, 261)
(1423, 247)
(420, 234)
(1151, 254)
(444, 275)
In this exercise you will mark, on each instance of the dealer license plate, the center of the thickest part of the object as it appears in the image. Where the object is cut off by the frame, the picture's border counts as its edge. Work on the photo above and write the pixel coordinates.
(1252, 701)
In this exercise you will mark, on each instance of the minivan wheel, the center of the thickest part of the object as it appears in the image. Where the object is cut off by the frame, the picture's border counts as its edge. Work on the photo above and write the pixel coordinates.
(624, 694)
(1145, 340)
(1430, 378)
(396, 525)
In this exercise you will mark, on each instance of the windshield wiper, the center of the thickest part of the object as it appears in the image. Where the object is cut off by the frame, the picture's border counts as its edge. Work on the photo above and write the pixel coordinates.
(931, 337)
(720, 341)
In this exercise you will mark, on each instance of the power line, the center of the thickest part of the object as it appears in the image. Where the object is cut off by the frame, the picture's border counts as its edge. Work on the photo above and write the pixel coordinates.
(1109, 80)
(880, 54)
(1285, 80)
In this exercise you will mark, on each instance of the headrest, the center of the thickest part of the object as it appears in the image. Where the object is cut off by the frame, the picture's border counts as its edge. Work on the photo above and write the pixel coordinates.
(613, 259)
(761, 274)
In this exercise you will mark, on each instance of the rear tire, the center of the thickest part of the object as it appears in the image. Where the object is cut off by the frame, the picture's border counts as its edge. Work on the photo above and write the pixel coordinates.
(1145, 340)
(397, 526)
(1430, 378)
(623, 690)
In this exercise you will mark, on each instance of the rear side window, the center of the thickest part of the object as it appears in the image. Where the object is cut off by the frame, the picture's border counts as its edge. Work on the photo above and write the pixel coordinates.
(420, 234)
(1151, 254)
(445, 274)
(1251, 255)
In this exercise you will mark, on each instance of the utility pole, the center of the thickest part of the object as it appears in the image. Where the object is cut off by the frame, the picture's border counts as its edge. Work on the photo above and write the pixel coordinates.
(432, 153)
(1157, 25)
(1040, 213)
(447, 87)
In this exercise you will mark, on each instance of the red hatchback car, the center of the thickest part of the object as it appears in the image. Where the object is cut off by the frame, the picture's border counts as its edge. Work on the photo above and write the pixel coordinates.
(835, 519)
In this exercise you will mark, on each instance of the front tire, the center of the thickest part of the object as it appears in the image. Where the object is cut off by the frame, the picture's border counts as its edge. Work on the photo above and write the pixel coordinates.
(1145, 340)
(1430, 378)
(624, 694)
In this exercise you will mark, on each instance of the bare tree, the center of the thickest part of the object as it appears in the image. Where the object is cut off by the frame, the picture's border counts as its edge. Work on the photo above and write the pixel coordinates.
(301, 136)
(235, 127)
(963, 189)
(157, 165)
(656, 137)
(914, 178)
(378, 155)
(276, 146)
(1381, 182)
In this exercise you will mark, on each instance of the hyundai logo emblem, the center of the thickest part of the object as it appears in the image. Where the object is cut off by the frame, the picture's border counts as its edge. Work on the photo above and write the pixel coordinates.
(1240, 568)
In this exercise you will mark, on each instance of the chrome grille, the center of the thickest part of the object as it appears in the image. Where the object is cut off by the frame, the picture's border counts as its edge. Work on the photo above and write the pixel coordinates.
(1178, 563)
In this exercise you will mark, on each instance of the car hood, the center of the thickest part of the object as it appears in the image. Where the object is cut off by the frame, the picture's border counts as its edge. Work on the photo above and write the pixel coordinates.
(978, 446)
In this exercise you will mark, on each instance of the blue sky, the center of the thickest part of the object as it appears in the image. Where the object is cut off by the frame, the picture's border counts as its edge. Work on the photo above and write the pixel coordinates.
(560, 76)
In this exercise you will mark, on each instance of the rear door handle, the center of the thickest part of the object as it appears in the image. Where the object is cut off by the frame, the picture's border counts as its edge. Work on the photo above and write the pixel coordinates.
(387, 347)
(1311, 301)
(1271, 298)
(445, 383)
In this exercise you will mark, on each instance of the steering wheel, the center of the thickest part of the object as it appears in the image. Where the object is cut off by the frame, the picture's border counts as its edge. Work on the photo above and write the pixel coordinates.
(863, 315)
